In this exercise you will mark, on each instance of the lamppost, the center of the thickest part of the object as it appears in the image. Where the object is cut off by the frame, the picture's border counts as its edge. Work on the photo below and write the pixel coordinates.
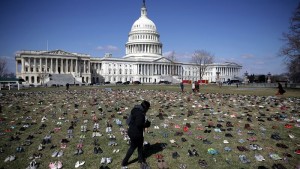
(269, 78)
(218, 78)
(246, 80)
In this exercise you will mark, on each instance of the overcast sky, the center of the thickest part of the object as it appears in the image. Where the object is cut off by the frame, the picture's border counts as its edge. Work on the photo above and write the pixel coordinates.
(247, 32)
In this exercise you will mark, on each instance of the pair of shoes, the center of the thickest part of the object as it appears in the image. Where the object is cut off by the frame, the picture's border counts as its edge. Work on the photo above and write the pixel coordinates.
(10, 158)
(161, 164)
(255, 147)
(244, 159)
(98, 150)
(116, 150)
(242, 148)
(175, 155)
(105, 160)
(183, 166)
(78, 151)
(282, 145)
(32, 165)
(79, 163)
(55, 165)
(144, 165)
(57, 153)
(159, 156)
(259, 157)
(202, 163)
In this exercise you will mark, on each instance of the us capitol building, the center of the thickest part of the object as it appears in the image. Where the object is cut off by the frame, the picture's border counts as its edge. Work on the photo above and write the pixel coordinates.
(143, 62)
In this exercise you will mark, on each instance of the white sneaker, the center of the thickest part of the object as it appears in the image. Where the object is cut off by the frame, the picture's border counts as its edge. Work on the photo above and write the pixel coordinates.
(103, 160)
(108, 160)
(81, 163)
(77, 164)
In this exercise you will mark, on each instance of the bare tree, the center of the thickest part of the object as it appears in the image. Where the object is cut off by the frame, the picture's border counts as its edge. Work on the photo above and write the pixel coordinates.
(173, 59)
(291, 51)
(3, 67)
(202, 59)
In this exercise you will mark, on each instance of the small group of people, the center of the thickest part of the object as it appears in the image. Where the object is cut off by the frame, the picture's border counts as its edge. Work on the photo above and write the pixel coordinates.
(195, 87)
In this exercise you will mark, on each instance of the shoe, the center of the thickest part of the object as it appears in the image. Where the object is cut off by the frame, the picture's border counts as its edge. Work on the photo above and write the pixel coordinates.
(103, 160)
(81, 163)
(60, 153)
(259, 157)
(108, 160)
(190, 153)
(80, 151)
(52, 165)
(59, 165)
(175, 155)
(144, 165)
(7, 159)
(54, 154)
(244, 159)
(77, 164)
(160, 164)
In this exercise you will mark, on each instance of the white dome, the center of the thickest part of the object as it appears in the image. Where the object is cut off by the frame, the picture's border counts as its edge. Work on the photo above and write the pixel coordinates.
(143, 23)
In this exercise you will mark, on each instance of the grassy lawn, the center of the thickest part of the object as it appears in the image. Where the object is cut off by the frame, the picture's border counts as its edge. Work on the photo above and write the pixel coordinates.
(266, 114)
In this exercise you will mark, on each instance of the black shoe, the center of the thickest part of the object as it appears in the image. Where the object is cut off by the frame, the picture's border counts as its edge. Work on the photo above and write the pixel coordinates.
(190, 153)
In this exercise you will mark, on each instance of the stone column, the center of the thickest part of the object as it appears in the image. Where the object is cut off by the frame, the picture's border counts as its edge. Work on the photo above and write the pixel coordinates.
(72, 65)
(29, 64)
(17, 67)
(23, 65)
(40, 65)
(84, 69)
(56, 66)
(76, 66)
(46, 65)
(51, 66)
(67, 66)
(34, 64)
(61, 65)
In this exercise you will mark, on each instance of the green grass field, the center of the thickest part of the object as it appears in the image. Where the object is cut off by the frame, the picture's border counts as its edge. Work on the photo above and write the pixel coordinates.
(211, 106)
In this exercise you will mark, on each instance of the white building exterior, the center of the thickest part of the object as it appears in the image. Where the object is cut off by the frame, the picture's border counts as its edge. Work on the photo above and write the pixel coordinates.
(143, 62)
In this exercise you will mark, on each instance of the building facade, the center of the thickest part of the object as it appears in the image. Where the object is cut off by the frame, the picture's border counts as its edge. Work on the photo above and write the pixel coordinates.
(143, 62)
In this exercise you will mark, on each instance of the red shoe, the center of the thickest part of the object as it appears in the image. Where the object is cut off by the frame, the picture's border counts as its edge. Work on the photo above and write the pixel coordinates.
(297, 151)
(288, 126)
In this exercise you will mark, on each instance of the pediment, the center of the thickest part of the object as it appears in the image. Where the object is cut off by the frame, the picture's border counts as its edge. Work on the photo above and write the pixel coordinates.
(163, 60)
(58, 52)
(232, 64)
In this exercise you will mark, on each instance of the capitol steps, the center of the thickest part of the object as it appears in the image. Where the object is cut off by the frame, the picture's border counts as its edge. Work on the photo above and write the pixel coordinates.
(62, 79)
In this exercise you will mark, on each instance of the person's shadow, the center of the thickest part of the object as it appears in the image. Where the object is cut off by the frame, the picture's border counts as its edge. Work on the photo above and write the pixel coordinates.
(149, 150)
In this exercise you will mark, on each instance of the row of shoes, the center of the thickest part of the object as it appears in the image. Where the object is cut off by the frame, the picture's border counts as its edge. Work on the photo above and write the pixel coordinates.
(55, 165)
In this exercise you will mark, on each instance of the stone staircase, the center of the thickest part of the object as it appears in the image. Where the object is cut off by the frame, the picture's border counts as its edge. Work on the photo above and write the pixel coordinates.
(62, 79)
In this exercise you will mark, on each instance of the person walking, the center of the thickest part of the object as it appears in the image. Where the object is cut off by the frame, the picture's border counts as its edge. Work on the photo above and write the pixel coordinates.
(281, 91)
(137, 123)
(193, 86)
(181, 86)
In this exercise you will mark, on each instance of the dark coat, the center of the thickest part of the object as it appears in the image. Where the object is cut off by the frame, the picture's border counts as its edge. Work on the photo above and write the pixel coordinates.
(137, 122)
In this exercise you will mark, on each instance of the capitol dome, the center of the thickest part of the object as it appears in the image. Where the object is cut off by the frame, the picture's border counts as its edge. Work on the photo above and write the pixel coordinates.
(143, 23)
(143, 39)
